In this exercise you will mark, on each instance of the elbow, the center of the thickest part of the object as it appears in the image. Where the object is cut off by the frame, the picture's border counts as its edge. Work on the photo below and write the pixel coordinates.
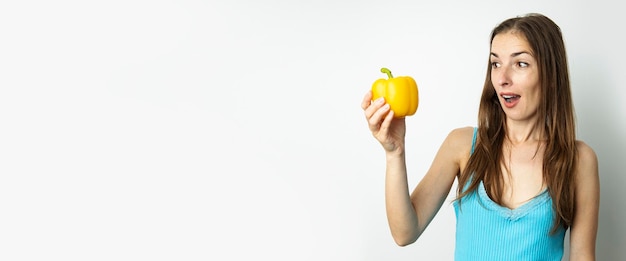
(405, 232)
(403, 243)
(405, 240)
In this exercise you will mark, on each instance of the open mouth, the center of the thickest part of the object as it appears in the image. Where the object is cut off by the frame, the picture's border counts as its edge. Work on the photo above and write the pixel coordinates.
(510, 98)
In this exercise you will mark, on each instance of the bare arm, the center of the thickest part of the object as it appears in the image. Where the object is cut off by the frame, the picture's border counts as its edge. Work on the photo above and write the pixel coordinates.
(409, 214)
(432, 190)
(585, 225)
(409, 217)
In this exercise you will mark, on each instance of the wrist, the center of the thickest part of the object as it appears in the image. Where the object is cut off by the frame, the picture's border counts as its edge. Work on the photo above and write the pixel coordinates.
(397, 153)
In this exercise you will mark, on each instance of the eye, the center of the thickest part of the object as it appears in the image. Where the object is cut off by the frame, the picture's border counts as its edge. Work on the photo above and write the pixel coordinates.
(495, 65)
(522, 64)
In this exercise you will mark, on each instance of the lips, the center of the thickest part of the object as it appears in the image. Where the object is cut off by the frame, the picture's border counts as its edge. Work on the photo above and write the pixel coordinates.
(510, 99)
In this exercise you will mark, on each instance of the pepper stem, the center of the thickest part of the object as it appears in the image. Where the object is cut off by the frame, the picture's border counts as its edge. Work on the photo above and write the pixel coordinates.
(387, 71)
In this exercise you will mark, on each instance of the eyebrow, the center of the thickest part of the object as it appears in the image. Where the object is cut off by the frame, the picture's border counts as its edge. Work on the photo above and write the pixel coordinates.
(513, 54)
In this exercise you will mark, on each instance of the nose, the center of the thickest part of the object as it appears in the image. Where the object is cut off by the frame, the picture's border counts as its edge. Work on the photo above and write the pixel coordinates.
(501, 76)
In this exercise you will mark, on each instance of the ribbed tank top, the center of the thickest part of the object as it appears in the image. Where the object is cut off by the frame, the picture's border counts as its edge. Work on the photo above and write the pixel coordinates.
(487, 231)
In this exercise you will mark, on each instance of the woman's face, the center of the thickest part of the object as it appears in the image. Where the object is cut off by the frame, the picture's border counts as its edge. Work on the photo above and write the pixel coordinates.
(515, 76)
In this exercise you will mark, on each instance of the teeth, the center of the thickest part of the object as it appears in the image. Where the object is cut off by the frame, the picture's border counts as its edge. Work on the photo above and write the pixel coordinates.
(507, 98)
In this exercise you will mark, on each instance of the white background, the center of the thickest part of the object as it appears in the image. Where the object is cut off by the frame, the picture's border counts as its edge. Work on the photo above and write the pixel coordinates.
(232, 130)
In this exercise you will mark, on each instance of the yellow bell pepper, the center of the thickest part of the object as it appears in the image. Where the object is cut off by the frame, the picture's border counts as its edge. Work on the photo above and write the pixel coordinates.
(400, 93)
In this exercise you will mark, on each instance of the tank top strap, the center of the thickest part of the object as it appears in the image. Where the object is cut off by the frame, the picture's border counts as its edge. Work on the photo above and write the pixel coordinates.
(474, 140)
(471, 152)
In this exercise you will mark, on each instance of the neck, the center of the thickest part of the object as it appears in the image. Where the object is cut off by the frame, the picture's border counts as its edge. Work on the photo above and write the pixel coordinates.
(523, 132)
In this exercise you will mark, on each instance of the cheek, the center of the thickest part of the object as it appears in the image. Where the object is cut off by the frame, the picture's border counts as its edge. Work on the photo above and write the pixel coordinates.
(493, 79)
(536, 96)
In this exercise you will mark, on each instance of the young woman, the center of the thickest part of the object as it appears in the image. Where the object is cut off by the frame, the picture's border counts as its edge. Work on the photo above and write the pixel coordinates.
(523, 177)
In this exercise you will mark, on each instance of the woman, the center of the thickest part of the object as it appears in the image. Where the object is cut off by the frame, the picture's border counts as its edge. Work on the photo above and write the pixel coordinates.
(523, 177)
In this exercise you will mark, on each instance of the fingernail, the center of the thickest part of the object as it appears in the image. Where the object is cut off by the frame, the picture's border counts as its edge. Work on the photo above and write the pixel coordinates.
(380, 100)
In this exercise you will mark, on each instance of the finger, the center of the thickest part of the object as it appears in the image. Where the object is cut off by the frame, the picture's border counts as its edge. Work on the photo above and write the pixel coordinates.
(374, 107)
(384, 126)
(377, 118)
(367, 100)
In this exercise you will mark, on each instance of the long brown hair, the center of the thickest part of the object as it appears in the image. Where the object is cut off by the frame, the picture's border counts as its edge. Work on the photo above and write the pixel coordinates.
(557, 122)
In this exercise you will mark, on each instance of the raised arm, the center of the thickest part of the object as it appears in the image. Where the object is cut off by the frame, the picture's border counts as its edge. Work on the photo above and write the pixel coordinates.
(409, 214)
(432, 190)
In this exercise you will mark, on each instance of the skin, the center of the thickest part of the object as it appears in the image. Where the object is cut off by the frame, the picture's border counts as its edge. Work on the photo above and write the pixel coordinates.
(514, 70)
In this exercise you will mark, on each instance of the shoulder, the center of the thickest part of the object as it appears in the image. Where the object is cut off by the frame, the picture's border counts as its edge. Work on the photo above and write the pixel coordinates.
(585, 152)
(586, 155)
(461, 136)
(587, 167)
(459, 140)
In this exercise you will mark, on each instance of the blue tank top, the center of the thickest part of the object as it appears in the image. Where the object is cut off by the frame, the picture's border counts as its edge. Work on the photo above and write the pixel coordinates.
(487, 231)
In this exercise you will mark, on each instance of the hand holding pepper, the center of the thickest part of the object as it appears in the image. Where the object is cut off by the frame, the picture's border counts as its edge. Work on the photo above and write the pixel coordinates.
(385, 107)
(388, 130)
